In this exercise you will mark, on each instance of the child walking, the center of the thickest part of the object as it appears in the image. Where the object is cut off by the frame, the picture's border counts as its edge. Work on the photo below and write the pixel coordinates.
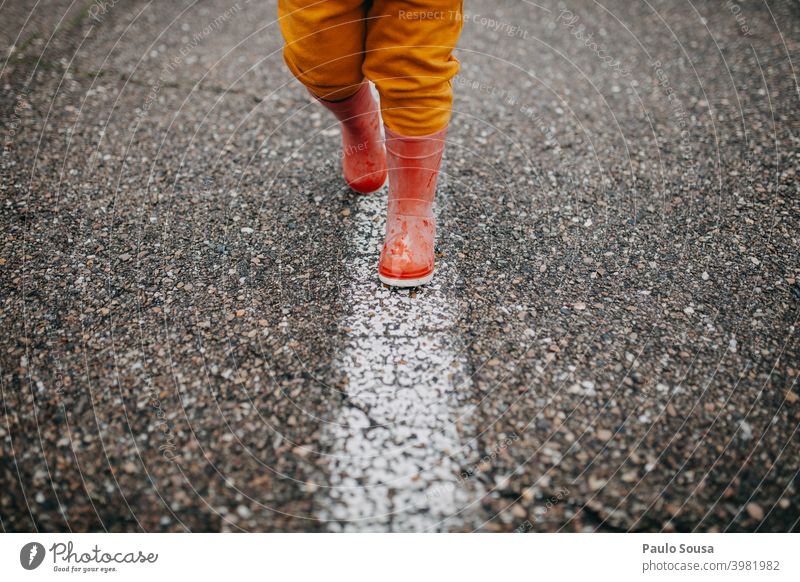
(334, 47)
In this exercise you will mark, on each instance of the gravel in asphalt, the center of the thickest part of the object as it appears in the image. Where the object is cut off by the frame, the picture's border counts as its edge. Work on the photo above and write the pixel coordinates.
(182, 279)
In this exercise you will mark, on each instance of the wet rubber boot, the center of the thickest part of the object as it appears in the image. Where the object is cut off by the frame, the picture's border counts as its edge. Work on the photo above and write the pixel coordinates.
(363, 156)
(407, 258)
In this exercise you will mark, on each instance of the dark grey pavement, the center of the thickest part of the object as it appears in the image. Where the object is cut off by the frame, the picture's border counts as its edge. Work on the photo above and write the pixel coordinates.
(186, 327)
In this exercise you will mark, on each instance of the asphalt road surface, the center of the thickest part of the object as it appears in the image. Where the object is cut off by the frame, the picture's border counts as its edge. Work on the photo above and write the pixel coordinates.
(194, 336)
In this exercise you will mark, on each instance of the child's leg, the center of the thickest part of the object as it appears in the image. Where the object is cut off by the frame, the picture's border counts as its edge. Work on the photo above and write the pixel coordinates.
(325, 44)
(325, 51)
(409, 56)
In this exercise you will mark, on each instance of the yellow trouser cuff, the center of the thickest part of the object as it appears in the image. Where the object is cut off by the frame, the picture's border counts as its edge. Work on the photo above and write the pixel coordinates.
(404, 46)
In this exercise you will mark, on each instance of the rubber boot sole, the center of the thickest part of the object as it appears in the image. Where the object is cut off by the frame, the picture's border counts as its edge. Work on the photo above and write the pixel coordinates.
(416, 282)
(367, 191)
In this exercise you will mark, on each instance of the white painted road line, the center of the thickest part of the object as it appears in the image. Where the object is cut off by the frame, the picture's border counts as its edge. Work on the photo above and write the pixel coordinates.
(397, 451)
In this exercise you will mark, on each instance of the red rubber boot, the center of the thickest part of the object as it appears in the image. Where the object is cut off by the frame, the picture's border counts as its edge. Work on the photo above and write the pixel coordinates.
(363, 156)
(407, 259)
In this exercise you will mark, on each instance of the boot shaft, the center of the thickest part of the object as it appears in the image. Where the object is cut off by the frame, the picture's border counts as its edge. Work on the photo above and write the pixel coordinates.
(363, 154)
(413, 170)
(350, 111)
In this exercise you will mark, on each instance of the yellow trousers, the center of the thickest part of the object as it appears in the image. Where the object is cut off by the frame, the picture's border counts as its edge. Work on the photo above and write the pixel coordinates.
(405, 47)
